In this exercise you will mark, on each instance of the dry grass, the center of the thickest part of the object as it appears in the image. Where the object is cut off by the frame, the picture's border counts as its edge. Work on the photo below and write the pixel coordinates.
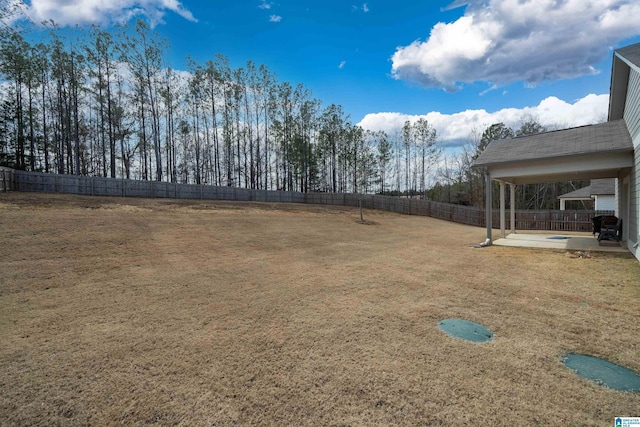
(164, 312)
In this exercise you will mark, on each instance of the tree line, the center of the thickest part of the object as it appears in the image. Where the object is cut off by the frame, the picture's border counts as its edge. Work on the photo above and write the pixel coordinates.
(90, 101)
(94, 102)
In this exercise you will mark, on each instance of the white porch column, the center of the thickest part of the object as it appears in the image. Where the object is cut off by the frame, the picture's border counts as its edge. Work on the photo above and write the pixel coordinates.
(512, 206)
(502, 211)
(488, 205)
(562, 204)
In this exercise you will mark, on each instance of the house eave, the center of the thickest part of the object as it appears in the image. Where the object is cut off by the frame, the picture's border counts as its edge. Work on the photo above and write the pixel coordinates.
(566, 168)
(620, 70)
(562, 157)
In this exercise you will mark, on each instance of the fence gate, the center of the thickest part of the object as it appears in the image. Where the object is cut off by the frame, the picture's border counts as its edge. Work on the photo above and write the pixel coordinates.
(6, 179)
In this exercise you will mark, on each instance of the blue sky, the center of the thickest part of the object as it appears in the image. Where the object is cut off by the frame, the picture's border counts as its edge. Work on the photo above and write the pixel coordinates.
(463, 64)
(312, 40)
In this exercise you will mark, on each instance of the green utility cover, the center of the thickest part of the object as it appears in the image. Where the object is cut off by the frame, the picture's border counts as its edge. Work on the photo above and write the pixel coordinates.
(603, 372)
(465, 329)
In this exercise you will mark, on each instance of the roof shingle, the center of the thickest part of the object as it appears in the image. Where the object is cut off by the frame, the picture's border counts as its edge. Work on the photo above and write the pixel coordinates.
(601, 138)
(631, 53)
(598, 187)
(580, 193)
(603, 186)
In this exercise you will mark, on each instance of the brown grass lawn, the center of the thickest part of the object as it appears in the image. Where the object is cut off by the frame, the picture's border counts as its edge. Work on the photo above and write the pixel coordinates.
(163, 312)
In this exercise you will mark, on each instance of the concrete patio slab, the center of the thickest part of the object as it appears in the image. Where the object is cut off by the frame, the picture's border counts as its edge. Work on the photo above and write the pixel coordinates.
(564, 241)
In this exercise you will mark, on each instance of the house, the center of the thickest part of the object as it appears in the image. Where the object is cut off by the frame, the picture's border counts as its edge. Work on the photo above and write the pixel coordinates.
(607, 150)
(602, 192)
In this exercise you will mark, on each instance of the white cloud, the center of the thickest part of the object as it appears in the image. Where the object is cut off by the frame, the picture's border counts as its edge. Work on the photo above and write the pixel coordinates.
(275, 18)
(503, 41)
(71, 12)
(364, 8)
(455, 129)
(342, 64)
(265, 5)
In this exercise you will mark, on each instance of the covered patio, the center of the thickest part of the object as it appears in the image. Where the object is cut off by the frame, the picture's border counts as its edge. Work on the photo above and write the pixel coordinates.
(582, 153)
(584, 242)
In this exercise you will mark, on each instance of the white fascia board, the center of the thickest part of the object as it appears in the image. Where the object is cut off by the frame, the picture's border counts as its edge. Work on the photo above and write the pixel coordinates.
(574, 198)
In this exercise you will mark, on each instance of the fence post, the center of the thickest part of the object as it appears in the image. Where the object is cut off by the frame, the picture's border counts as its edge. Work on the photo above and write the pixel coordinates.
(549, 222)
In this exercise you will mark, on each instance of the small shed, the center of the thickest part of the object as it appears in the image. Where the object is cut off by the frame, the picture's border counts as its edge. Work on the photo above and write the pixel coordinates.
(601, 191)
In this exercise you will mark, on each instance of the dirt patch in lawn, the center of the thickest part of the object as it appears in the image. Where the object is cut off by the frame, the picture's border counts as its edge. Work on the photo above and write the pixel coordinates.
(164, 312)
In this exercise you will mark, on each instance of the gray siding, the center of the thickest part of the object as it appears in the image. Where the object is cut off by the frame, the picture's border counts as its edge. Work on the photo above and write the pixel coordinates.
(634, 202)
(632, 106)
(632, 119)
(605, 203)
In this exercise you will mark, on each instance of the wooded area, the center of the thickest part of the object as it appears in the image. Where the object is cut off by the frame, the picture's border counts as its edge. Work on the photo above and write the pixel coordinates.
(104, 103)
